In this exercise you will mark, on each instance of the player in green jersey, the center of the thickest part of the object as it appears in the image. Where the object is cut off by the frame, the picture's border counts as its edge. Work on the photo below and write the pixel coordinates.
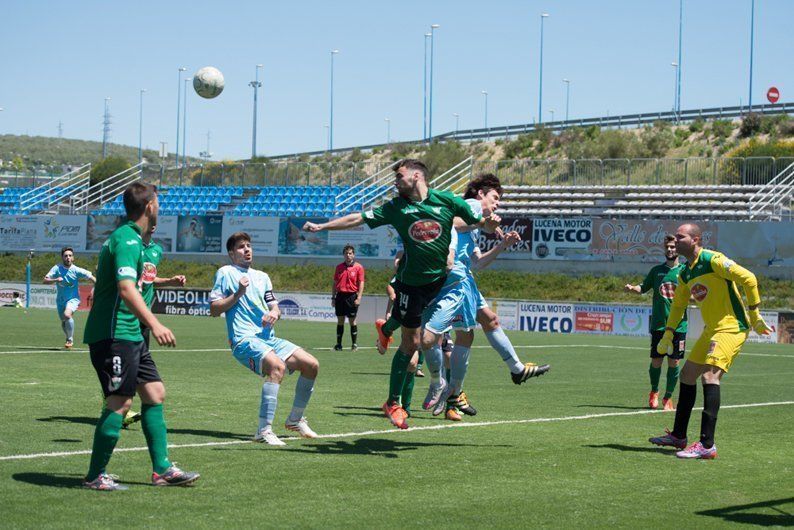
(663, 279)
(423, 218)
(117, 349)
(152, 254)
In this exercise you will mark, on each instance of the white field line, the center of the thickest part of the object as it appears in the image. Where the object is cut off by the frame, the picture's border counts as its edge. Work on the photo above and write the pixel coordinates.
(482, 346)
(393, 431)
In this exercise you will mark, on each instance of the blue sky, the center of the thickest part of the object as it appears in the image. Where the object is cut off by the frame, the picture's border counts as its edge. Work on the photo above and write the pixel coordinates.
(61, 59)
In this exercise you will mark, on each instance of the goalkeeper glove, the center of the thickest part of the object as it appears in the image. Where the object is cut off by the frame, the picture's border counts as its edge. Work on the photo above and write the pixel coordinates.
(757, 322)
(665, 343)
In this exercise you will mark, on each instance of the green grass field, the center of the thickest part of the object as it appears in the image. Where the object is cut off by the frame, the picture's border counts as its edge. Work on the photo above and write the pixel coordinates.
(568, 449)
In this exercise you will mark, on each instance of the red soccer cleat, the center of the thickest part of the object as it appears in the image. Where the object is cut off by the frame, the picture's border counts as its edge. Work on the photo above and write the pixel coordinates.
(383, 341)
(396, 414)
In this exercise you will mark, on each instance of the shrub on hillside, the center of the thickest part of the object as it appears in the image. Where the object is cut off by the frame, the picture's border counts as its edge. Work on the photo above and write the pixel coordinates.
(439, 157)
(108, 167)
(751, 124)
(721, 128)
(754, 147)
(786, 127)
(697, 126)
(657, 140)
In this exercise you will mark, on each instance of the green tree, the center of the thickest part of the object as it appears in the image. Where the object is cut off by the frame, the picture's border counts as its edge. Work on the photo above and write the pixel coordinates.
(108, 167)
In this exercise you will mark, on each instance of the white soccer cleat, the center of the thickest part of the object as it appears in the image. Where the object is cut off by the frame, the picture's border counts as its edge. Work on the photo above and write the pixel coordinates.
(434, 394)
(441, 406)
(267, 436)
(301, 427)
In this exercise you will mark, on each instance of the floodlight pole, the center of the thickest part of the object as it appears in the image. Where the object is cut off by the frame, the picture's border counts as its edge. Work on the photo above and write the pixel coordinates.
(540, 80)
(331, 121)
(178, 107)
(433, 28)
(424, 92)
(752, 40)
(184, 122)
(255, 84)
(140, 127)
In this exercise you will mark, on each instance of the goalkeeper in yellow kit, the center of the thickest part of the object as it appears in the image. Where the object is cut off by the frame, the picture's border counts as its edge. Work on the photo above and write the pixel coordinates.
(711, 279)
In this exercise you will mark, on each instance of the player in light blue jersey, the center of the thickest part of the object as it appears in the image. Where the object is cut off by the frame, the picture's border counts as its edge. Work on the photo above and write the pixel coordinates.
(246, 296)
(461, 306)
(66, 276)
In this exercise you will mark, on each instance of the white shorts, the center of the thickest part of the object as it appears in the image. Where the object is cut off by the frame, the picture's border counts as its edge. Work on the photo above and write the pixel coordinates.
(251, 352)
(71, 305)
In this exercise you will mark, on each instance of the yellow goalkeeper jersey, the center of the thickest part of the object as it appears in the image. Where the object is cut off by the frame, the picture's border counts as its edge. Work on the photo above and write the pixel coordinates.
(711, 281)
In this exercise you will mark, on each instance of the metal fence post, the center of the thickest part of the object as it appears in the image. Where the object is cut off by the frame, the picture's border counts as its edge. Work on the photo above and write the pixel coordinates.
(686, 171)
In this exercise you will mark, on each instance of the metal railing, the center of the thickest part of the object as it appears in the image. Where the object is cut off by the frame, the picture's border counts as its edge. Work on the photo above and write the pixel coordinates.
(106, 190)
(43, 197)
(451, 178)
(767, 203)
(368, 191)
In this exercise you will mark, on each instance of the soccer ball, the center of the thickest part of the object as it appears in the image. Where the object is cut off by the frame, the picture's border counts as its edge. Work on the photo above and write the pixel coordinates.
(208, 82)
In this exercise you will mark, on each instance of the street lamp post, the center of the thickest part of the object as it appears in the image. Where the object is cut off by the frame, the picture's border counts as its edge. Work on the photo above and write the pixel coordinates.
(140, 127)
(457, 122)
(752, 39)
(485, 119)
(567, 96)
(331, 121)
(327, 137)
(388, 130)
(184, 122)
(424, 92)
(551, 111)
(433, 28)
(675, 91)
(178, 107)
(678, 68)
(540, 80)
(255, 84)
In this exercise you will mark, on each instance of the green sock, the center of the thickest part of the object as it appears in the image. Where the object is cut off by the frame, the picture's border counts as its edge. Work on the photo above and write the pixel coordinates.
(421, 359)
(672, 380)
(408, 390)
(106, 434)
(656, 374)
(399, 370)
(390, 326)
(153, 424)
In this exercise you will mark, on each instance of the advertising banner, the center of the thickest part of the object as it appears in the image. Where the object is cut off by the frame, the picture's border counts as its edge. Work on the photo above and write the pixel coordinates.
(593, 319)
(522, 249)
(631, 320)
(263, 232)
(760, 243)
(695, 327)
(294, 241)
(548, 317)
(507, 311)
(299, 306)
(639, 240)
(165, 233)
(199, 233)
(555, 239)
(42, 232)
(18, 232)
(99, 228)
(171, 301)
(42, 296)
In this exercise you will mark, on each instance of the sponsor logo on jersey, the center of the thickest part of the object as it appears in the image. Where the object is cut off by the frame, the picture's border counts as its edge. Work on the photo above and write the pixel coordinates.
(425, 230)
(410, 209)
(667, 290)
(127, 271)
(699, 292)
(149, 272)
(727, 264)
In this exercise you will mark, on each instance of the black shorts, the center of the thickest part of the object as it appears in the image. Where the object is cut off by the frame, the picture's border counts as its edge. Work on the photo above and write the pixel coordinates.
(345, 304)
(122, 365)
(412, 300)
(146, 332)
(679, 345)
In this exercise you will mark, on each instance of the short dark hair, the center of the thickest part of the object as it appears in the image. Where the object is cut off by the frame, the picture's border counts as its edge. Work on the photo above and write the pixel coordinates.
(485, 182)
(348, 247)
(65, 249)
(136, 197)
(411, 163)
(668, 238)
(236, 238)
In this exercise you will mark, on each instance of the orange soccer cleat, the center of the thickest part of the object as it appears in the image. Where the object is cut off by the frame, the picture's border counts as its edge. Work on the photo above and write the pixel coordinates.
(667, 403)
(653, 400)
(383, 341)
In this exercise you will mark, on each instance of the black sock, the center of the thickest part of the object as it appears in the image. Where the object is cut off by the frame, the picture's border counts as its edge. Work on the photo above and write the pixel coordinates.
(711, 406)
(686, 400)
(340, 330)
(354, 334)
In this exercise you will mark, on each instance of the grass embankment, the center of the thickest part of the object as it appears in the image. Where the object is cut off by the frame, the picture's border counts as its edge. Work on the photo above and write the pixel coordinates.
(777, 294)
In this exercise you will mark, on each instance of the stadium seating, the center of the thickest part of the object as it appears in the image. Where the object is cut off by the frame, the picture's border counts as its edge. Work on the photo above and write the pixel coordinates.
(9, 200)
(702, 201)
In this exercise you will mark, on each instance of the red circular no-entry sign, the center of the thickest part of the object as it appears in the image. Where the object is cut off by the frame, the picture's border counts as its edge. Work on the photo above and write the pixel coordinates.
(773, 94)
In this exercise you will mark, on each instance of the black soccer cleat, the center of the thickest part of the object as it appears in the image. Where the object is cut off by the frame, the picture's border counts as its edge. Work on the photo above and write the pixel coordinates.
(530, 370)
(461, 402)
(338, 347)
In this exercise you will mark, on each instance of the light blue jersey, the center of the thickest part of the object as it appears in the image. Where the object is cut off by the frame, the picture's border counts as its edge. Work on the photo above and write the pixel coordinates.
(244, 318)
(69, 288)
(465, 245)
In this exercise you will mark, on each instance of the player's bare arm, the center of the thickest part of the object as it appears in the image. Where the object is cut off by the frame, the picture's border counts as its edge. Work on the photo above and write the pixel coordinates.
(482, 260)
(632, 288)
(174, 281)
(218, 307)
(272, 316)
(340, 223)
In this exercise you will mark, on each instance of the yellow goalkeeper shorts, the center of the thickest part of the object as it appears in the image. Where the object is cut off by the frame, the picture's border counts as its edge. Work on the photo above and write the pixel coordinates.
(718, 348)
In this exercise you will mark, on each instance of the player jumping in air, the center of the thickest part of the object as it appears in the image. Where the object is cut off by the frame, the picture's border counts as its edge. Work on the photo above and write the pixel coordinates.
(246, 296)
(66, 277)
(423, 218)
(663, 279)
(710, 278)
